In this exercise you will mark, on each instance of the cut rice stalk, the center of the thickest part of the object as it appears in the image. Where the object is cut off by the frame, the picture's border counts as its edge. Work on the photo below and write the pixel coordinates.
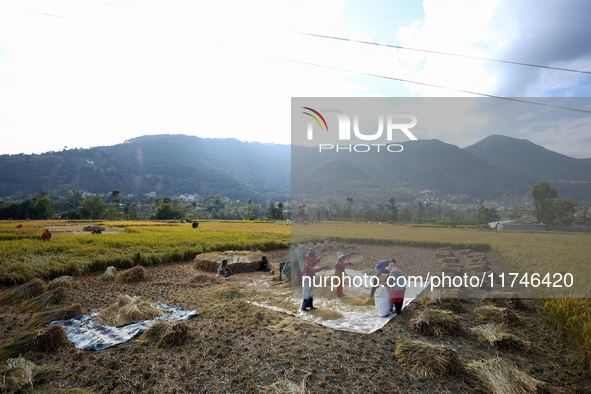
(62, 281)
(167, 333)
(427, 359)
(109, 274)
(128, 309)
(44, 301)
(65, 313)
(497, 337)
(132, 275)
(434, 322)
(31, 289)
(40, 340)
(496, 377)
(499, 315)
(19, 375)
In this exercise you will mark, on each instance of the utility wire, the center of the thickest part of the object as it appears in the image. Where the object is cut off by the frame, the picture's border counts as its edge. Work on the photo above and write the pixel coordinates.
(438, 52)
(428, 84)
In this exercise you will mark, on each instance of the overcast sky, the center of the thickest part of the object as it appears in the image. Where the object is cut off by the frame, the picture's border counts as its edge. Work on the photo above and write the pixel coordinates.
(82, 73)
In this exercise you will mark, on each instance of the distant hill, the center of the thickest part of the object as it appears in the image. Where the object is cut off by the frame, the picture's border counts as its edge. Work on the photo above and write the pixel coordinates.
(166, 164)
(530, 159)
(424, 164)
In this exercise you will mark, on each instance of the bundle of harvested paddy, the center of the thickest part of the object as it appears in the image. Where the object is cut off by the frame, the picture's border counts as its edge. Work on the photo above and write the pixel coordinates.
(440, 300)
(19, 375)
(168, 334)
(496, 377)
(62, 281)
(40, 340)
(505, 300)
(444, 252)
(204, 279)
(499, 315)
(464, 252)
(230, 293)
(128, 309)
(31, 289)
(326, 314)
(428, 359)
(498, 338)
(476, 257)
(109, 274)
(65, 313)
(132, 275)
(44, 301)
(434, 322)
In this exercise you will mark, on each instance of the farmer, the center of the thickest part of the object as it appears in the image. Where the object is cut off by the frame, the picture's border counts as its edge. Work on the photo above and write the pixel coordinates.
(263, 264)
(381, 274)
(223, 269)
(397, 283)
(339, 270)
(46, 236)
(195, 224)
(309, 271)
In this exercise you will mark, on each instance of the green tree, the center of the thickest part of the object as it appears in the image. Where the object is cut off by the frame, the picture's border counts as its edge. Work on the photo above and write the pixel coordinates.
(392, 209)
(543, 196)
(582, 208)
(486, 215)
(93, 208)
(249, 210)
(514, 213)
(564, 210)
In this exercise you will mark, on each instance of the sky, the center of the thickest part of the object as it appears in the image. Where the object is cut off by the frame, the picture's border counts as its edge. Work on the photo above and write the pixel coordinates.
(82, 73)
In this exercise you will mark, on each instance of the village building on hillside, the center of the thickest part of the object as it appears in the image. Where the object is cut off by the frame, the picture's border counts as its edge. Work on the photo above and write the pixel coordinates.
(517, 225)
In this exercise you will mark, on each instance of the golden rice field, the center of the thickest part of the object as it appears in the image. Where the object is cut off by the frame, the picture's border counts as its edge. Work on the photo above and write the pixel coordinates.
(24, 256)
(532, 252)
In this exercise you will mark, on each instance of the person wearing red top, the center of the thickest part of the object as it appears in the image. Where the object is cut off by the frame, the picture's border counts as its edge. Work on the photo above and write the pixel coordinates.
(46, 236)
(309, 271)
(339, 270)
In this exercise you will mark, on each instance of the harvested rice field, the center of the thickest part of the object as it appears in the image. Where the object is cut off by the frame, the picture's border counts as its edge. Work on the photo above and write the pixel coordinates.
(232, 346)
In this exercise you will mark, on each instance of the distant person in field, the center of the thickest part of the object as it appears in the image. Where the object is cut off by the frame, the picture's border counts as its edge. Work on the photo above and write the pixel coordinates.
(46, 236)
(263, 264)
(381, 274)
(309, 271)
(195, 224)
(223, 269)
(397, 283)
(339, 270)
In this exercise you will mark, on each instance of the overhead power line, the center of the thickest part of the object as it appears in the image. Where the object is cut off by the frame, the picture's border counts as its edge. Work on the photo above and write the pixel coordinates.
(439, 52)
(429, 84)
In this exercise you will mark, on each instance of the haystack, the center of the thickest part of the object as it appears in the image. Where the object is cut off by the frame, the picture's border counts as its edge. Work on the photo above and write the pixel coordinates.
(65, 313)
(238, 262)
(128, 309)
(428, 359)
(40, 340)
(496, 377)
(31, 289)
(495, 335)
(132, 275)
(434, 322)
(44, 301)
(168, 334)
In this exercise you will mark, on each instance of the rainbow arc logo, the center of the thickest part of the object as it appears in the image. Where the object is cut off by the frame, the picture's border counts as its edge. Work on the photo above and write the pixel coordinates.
(315, 118)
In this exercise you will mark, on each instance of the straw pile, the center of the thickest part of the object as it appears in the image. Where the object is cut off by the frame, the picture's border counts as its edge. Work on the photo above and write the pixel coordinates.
(19, 375)
(359, 301)
(508, 300)
(434, 322)
(40, 340)
(44, 301)
(495, 376)
(128, 309)
(427, 359)
(168, 334)
(441, 300)
(65, 313)
(132, 275)
(204, 279)
(238, 262)
(31, 289)
(444, 252)
(499, 315)
(109, 274)
(326, 314)
(62, 281)
(498, 338)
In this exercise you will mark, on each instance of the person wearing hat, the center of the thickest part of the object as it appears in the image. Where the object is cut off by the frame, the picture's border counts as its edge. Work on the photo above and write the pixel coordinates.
(46, 236)
(397, 285)
(339, 270)
(310, 271)
(263, 264)
(223, 269)
(381, 273)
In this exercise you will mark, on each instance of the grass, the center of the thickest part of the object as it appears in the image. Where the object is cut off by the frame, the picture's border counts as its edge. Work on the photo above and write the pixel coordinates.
(426, 359)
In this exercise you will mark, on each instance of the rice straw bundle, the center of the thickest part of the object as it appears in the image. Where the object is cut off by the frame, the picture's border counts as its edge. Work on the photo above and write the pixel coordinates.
(128, 309)
(427, 359)
(31, 289)
(44, 301)
(65, 313)
(40, 340)
(434, 322)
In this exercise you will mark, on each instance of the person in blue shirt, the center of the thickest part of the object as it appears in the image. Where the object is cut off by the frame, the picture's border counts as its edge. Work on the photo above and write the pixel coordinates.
(380, 270)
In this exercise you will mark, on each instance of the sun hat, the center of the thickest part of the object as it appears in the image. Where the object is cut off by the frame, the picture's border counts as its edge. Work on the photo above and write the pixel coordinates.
(340, 255)
(311, 251)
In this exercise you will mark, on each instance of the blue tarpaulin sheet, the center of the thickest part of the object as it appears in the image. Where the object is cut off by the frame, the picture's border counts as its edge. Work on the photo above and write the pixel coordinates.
(86, 333)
